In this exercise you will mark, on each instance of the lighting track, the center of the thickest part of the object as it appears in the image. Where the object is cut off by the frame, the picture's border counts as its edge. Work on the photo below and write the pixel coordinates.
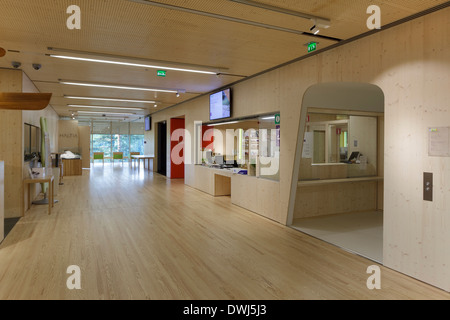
(279, 10)
(212, 69)
(111, 99)
(130, 64)
(232, 19)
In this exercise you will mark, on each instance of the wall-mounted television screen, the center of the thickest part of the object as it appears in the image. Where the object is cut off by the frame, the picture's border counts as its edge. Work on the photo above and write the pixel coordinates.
(148, 123)
(220, 105)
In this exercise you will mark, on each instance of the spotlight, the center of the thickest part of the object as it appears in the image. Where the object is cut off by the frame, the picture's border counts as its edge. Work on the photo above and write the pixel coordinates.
(314, 29)
(178, 94)
(318, 25)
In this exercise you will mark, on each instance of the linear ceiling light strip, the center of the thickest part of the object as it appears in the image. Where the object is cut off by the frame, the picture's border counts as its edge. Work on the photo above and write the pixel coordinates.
(144, 61)
(129, 64)
(103, 107)
(232, 19)
(113, 86)
(110, 99)
(106, 113)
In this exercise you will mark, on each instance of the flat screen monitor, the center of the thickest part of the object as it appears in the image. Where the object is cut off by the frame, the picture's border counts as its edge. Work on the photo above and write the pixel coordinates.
(354, 156)
(220, 105)
(148, 123)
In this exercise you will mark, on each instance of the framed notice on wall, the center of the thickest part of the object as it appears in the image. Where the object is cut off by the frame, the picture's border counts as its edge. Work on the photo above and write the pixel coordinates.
(439, 142)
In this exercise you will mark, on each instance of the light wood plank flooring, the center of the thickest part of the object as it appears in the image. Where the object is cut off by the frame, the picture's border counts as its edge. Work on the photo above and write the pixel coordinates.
(136, 235)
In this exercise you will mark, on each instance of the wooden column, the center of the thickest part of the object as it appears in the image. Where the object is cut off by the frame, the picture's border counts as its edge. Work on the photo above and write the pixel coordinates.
(2, 202)
(11, 146)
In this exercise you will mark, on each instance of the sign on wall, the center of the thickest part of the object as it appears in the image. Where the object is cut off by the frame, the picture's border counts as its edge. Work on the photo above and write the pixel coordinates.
(439, 142)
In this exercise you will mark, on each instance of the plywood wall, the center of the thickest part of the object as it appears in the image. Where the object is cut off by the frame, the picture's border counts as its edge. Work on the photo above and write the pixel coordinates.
(11, 145)
(33, 117)
(411, 64)
(2, 200)
(84, 134)
(68, 136)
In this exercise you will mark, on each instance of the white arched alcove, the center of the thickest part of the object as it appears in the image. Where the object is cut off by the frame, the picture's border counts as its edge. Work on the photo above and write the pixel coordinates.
(347, 96)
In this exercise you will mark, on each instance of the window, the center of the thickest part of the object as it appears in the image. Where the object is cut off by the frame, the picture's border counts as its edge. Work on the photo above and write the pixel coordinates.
(121, 138)
(137, 137)
(109, 137)
(252, 144)
(339, 145)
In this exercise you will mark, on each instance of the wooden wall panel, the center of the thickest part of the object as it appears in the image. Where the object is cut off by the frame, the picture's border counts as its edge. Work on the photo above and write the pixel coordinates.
(323, 200)
(84, 143)
(11, 145)
(33, 117)
(411, 64)
(68, 137)
(2, 200)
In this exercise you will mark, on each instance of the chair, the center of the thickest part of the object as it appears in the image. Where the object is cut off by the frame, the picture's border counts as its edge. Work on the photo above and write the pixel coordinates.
(117, 156)
(99, 156)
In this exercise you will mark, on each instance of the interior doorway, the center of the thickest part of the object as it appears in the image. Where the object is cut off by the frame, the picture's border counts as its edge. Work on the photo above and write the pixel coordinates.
(177, 143)
(338, 196)
(162, 148)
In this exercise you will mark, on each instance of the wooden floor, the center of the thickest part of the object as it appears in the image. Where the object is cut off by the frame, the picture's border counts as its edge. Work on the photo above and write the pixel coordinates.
(136, 235)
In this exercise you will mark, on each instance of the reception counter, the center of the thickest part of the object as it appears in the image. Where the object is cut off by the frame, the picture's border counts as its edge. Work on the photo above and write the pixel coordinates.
(258, 195)
(72, 167)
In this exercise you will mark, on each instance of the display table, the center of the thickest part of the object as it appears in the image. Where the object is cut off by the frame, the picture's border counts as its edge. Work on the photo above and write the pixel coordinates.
(51, 184)
(72, 167)
(142, 157)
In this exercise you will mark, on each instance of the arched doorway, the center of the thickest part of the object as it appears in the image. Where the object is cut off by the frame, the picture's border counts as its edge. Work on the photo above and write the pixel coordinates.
(338, 196)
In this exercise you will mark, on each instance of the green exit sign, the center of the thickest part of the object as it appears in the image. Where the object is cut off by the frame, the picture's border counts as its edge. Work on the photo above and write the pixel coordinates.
(312, 46)
(162, 73)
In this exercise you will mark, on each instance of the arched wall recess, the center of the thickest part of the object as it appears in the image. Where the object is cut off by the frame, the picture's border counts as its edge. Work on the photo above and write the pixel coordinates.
(343, 96)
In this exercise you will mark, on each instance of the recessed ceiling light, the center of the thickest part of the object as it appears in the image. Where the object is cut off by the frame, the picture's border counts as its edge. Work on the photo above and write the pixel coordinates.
(221, 124)
(108, 113)
(130, 64)
(114, 86)
(102, 107)
(110, 99)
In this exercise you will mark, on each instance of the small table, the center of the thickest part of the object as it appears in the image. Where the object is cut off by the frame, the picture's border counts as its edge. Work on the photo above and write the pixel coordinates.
(144, 157)
(48, 179)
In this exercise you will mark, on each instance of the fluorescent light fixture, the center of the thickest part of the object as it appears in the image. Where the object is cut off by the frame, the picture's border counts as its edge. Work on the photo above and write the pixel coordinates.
(113, 86)
(221, 124)
(130, 64)
(268, 118)
(107, 113)
(110, 99)
(102, 107)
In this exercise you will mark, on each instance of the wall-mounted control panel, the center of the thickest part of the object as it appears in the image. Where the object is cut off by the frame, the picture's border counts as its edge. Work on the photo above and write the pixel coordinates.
(428, 186)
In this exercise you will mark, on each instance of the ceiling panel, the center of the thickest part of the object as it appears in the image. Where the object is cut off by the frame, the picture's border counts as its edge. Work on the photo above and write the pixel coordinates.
(137, 31)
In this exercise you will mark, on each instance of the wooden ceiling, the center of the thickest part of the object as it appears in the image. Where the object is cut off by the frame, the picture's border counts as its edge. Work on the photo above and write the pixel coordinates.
(233, 39)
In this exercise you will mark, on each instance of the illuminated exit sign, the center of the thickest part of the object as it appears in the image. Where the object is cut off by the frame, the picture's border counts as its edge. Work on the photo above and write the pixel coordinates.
(312, 46)
(161, 73)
